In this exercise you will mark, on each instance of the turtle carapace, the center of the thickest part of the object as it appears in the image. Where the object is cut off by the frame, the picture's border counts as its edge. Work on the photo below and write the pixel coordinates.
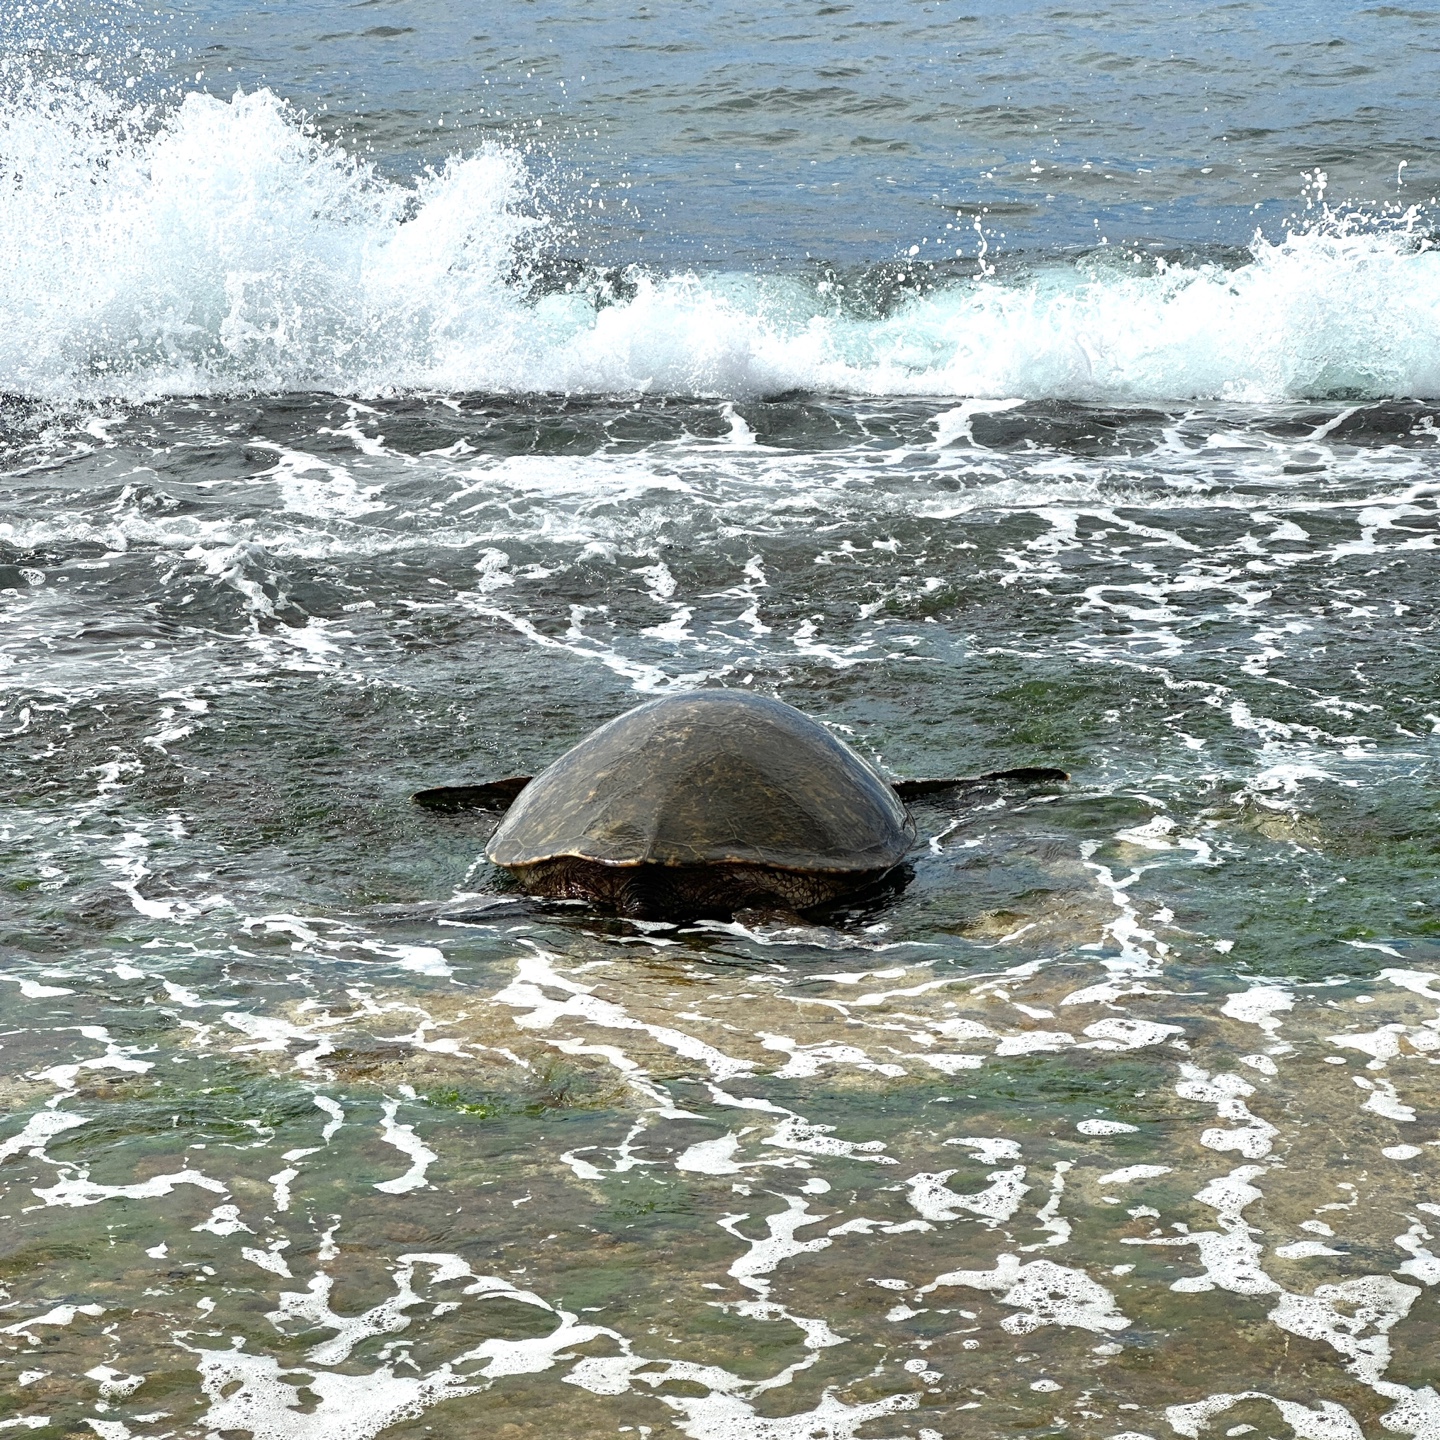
(703, 803)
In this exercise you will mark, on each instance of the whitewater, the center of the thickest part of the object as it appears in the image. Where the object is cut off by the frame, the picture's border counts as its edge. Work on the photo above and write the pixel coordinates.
(221, 246)
(391, 393)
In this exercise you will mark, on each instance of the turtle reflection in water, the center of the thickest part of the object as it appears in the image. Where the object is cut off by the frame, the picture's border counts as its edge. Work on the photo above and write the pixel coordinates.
(704, 804)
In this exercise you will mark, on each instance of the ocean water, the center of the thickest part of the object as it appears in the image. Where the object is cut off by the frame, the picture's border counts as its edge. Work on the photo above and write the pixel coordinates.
(390, 392)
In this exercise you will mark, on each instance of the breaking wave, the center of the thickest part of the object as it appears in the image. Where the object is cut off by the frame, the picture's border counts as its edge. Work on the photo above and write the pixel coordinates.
(221, 246)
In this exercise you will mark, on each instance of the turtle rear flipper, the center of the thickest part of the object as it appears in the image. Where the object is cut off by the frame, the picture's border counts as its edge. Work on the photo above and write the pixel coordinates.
(1024, 775)
(494, 795)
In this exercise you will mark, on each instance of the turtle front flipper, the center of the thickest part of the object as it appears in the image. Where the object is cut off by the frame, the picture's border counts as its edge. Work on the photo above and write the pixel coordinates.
(493, 795)
(1024, 775)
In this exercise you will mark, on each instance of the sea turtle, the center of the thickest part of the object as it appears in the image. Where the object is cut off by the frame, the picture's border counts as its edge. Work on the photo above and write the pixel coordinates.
(703, 803)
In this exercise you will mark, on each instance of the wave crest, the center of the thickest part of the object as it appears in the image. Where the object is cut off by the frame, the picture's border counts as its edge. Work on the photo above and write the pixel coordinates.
(222, 246)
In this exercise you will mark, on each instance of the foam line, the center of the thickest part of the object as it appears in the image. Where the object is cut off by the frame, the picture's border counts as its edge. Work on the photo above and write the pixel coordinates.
(39, 1130)
(407, 1142)
(79, 1190)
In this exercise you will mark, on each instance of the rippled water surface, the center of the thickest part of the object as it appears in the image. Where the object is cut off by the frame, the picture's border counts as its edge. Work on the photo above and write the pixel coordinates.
(325, 477)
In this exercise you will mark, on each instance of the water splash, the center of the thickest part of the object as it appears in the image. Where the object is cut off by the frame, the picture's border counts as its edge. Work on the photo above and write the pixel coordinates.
(221, 246)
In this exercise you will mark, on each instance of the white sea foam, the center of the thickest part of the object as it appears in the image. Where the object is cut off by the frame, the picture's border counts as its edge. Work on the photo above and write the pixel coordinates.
(220, 245)
(1043, 1292)
(116, 1057)
(39, 1131)
(933, 1199)
(1228, 1093)
(778, 1245)
(1231, 1256)
(1329, 1422)
(1106, 1127)
(60, 1315)
(1260, 1005)
(1133, 1172)
(79, 1190)
(534, 972)
(405, 1140)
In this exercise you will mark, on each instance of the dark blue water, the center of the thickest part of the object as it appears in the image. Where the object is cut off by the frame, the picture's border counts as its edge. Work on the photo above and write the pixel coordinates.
(852, 132)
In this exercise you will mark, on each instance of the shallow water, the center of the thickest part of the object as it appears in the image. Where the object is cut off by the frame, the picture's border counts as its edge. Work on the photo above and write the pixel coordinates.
(1116, 1117)
(276, 1106)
